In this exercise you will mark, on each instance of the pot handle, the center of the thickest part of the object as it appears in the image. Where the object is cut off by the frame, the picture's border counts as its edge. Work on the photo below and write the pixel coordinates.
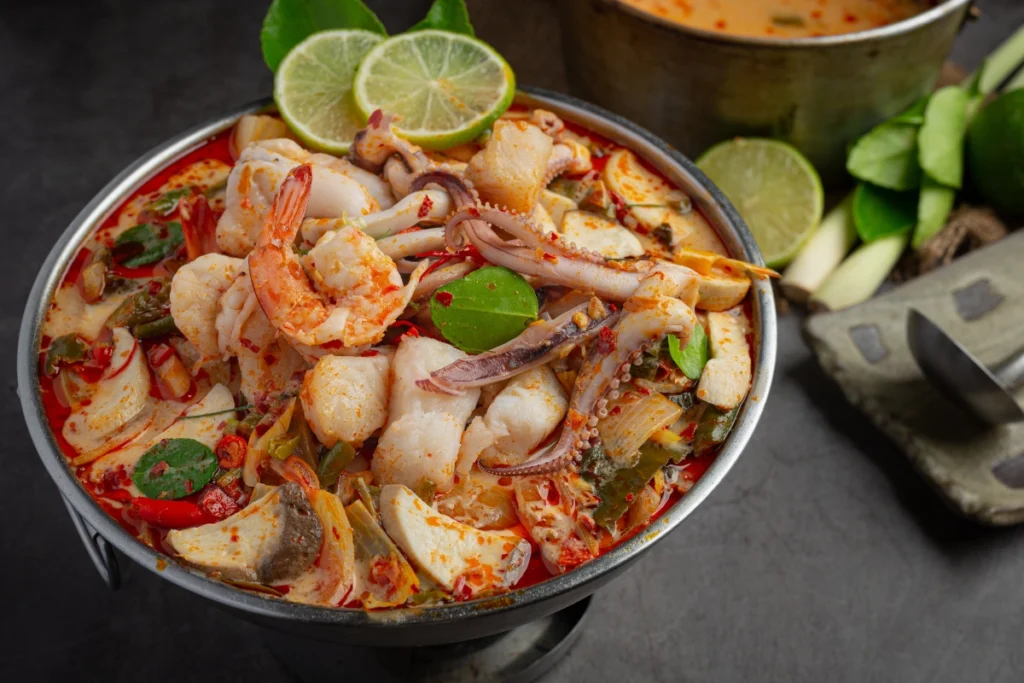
(100, 551)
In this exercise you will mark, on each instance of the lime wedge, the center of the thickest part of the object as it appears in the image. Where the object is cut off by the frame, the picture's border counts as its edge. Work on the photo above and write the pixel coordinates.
(447, 87)
(313, 87)
(776, 190)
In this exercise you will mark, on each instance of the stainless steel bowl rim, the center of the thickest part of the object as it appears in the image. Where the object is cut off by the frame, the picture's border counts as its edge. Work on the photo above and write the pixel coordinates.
(880, 33)
(111, 196)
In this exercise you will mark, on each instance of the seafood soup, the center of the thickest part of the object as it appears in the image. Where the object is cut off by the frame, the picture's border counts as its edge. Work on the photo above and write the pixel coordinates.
(398, 377)
(784, 18)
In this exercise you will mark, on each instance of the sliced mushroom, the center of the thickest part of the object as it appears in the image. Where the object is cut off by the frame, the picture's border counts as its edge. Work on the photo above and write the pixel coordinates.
(652, 201)
(556, 205)
(718, 291)
(726, 377)
(204, 421)
(454, 555)
(598, 234)
(272, 540)
(509, 171)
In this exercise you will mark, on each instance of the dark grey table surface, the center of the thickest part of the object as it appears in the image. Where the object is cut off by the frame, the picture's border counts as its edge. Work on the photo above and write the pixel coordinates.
(821, 557)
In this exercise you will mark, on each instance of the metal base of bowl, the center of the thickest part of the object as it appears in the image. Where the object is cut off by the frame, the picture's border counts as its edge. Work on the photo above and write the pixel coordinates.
(521, 655)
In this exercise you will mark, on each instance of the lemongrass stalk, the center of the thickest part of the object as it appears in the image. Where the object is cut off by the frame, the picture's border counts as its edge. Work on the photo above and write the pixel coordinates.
(1017, 83)
(999, 65)
(824, 251)
(861, 274)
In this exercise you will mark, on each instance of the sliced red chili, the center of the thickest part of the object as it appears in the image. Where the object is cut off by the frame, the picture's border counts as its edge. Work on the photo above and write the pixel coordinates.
(170, 514)
(230, 451)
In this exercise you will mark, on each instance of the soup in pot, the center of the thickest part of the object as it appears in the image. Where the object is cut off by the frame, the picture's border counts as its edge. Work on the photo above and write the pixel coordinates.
(784, 18)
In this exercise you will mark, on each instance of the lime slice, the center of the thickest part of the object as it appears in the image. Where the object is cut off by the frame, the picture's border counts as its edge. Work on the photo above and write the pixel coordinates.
(776, 190)
(447, 87)
(313, 87)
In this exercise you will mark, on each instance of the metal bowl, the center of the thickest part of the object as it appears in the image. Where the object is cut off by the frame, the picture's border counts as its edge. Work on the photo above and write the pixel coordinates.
(697, 87)
(400, 627)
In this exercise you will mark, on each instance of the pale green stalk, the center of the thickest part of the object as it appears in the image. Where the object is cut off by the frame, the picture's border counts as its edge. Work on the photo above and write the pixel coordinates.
(861, 274)
(1000, 64)
(823, 252)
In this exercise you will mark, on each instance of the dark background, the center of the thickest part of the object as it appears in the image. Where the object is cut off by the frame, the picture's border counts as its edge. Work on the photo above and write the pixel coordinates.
(821, 557)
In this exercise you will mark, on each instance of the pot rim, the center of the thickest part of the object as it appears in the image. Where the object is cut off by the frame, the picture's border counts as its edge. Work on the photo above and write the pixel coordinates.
(717, 208)
(908, 25)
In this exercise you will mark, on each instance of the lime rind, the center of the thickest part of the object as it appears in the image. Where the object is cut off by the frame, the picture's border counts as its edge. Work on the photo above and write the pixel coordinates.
(775, 189)
(446, 87)
(313, 87)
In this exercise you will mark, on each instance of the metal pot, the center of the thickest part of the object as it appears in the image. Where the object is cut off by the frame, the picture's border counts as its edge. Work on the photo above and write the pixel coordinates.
(402, 627)
(697, 87)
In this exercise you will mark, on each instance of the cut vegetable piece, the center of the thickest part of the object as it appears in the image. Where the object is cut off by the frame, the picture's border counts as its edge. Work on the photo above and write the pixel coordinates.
(933, 208)
(260, 444)
(204, 422)
(332, 576)
(600, 235)
(556, 205)
(269, 541)
(822, 254)
(384, 578)
(941, 139)
(713, 428)
(726, 377)
(547, 515)
(719, 291)
(861, 274)
(651, 200)
(456, 556)
(477, 500)
(632, 419)
(116, 411)
(621, 489)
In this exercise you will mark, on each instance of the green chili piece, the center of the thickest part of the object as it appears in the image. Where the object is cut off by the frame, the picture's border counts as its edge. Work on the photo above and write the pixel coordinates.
(158, 328)
(713, 427)
(334, 462)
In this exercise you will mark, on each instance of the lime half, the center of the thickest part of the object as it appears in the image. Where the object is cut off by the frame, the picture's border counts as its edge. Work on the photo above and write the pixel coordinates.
(313, 87)
(447, 87)
(774, 188)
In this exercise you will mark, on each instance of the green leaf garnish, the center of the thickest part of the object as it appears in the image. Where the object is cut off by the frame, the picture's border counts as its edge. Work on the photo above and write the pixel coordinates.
(289, 22)
(915, 114)
(156, 240)
(165, 204)
(878, 212)
(621, 488)
(694, 357)
(485, 309)
(446, 15)
(887, 156)
(174, 468)
(142, 307)
(66, 349)
(941, 140)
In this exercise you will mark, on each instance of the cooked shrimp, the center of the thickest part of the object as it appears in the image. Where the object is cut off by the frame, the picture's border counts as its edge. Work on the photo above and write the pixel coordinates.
(196, 290)
(266, 363)
(256, 178)
(353, 291)
(519, 418)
